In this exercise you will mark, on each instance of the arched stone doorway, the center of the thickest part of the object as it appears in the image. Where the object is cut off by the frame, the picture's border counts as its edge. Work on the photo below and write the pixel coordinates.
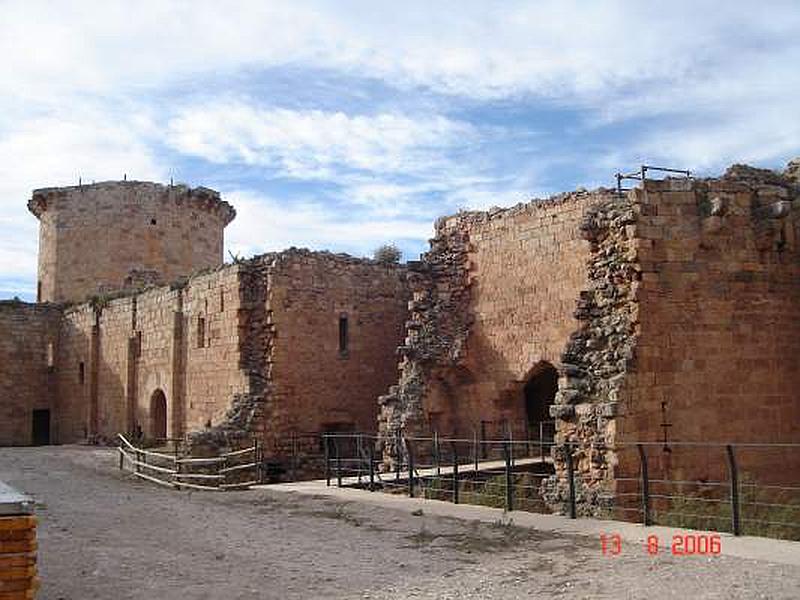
(158, 415)
(539, 394)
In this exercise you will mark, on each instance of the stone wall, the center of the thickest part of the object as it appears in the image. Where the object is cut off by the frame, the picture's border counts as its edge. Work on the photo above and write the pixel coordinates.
(689, 332)
(155, 355)
(28, 343)
(304, 374)
(249, 350)
(76, 365)
(597, 359)
(103, 237)
(671, 310)
(242, 420)
(493, 304)
(718, 353)
(321, 382)
(108, 410)
(212, 314)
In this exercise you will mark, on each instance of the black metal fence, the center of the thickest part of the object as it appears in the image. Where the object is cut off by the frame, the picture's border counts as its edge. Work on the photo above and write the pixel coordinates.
(741, 488)
(503, 473)
(301, 455)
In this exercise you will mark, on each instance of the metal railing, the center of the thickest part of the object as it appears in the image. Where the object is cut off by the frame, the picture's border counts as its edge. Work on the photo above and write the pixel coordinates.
(746, 488)
(740, 488)
(234, 470)
(641, 175)
(505, 473)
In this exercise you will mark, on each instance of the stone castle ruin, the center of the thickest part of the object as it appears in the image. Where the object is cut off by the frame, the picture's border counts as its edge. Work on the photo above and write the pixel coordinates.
(671, 311)
(290, 341)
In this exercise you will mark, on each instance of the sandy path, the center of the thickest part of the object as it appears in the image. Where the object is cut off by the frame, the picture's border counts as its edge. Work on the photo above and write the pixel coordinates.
(103, 535)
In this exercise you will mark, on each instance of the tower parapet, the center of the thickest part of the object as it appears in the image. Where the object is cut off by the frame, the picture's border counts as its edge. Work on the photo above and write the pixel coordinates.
(96, 238)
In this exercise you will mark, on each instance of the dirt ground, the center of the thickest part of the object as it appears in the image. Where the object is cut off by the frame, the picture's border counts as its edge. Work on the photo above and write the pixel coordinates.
(105, 535)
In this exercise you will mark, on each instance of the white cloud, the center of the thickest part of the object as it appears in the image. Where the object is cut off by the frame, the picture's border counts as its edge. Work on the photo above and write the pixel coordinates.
(57, 150)
(555, 48)
(266, 224)
(312, 143)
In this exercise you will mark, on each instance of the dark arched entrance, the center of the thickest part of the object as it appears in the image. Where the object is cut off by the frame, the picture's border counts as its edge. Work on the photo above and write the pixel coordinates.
(158, 415)
(540, 392)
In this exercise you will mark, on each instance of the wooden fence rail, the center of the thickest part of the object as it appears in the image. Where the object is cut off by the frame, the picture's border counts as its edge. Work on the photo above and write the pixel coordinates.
(209, 473)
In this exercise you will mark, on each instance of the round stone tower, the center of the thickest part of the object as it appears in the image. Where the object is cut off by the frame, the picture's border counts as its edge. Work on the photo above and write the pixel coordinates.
(114, 235)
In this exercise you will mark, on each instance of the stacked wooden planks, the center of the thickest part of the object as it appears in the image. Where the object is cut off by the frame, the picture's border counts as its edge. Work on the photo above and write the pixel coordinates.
(18, 580)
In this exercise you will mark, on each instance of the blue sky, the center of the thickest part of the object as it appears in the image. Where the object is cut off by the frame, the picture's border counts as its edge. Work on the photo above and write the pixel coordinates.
(344, 125)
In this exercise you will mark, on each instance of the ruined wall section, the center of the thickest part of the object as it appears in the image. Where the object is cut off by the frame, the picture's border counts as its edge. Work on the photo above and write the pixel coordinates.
(528, 268)
(689, 332)
(436, 330)
(718, 353)
(337, 322)
(242, 420)
(28, 355)
(597, 358)
(493, 301)
(103, 237)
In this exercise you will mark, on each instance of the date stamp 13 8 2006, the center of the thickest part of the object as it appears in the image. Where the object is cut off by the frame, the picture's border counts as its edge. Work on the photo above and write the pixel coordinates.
(681, 544)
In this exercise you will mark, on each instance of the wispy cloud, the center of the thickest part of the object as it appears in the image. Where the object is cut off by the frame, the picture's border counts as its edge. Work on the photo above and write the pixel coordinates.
(311, 144)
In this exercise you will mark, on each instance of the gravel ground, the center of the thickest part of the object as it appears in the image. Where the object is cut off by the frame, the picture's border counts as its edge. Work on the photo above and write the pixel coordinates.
(104, 535)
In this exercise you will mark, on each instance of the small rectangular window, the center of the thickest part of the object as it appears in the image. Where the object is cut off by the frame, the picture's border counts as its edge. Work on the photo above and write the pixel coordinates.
(221, 301)
(38, 291)
(343, 334)
(51, 359)
(81, 373)
(201, 332)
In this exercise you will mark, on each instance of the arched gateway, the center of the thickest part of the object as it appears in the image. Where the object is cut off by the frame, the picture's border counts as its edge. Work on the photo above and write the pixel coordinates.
(539, 394)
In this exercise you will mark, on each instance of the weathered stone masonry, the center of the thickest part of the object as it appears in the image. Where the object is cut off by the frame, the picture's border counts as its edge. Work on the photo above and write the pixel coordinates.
(28, 341)
(492, 305)
(103, 237)
(676, 303)
(247, 351)
(266, 348)
(679, 301)
(301, 380)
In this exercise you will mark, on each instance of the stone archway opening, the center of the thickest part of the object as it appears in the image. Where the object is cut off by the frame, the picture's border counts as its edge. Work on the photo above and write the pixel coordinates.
(158, 415)
(539, 393)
